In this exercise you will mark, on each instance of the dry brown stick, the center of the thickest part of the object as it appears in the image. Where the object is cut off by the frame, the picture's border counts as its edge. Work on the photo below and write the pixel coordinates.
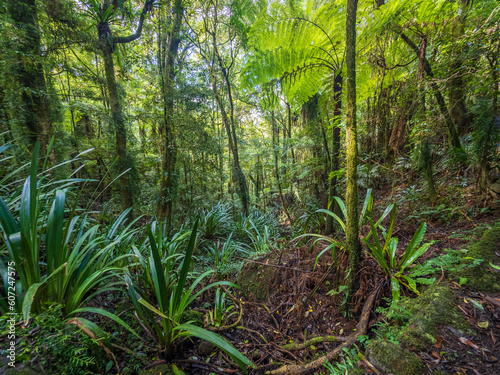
(92, 335)
(493, 301)
(275, 265)
(148, 332)
(314, 340)
(251, 330)
(309, 368)
(369, 364)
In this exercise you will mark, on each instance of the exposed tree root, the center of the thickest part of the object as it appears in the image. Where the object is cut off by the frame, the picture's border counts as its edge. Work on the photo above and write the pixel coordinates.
(314, 340)
(309, 368)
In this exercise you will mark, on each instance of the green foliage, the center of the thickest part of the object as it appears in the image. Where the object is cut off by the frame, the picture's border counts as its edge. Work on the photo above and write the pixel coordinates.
(337, 241)
(348, 361)
(387, 259)
(76, 257)
(172, 298)
(60, 348)
(215, 221)
(222, 255)
(221, 312)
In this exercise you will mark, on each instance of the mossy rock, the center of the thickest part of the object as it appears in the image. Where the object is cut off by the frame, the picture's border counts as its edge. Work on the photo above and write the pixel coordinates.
(393, 359)
(193, 316)
(436, 306)
(255, 279)
(418, 335)
(482, 277)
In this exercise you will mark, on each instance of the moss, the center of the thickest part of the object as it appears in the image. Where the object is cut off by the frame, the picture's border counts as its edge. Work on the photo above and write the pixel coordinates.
(486, 247)
(417, 336)
(437, 306)
(393, 359)
(193, 316)
(254, 280)
(482, 277)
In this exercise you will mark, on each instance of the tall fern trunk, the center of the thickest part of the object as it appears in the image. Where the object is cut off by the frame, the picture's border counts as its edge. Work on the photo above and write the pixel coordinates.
(35, 116)
(167, 51)
(117, 119)
(353, 246)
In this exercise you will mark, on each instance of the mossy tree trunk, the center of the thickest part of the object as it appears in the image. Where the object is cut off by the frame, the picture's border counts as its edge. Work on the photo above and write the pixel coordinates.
(168, 43)
(353, 245)
(35, 114)
(107, 44)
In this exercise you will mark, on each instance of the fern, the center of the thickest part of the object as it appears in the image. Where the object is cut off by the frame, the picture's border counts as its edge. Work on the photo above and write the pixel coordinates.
(301, 46)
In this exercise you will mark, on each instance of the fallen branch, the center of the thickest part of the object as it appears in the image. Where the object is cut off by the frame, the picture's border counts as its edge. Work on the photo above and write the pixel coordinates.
(369, 364)
(92, 335)
(313, 366)
(493, 301)
(314, 340)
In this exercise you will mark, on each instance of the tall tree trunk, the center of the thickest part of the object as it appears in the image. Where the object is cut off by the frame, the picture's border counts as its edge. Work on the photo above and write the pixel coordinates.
(106, 44)
(167, 56)
(276, 147)
(228, 120)
(458, 110)
(452, 131)
(353, 246)
(35, 117)
(334, 163)
(117, 119)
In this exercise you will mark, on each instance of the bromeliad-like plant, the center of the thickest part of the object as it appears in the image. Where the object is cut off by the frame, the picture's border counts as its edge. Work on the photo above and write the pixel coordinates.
(172, 297)
(221, 312)
(387, 259)
(222, 254)
(336, 241)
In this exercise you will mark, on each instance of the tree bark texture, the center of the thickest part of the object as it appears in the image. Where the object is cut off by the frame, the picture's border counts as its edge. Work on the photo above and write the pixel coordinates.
(107, 45)
(353, 246)
(35, 114)
(168, 51)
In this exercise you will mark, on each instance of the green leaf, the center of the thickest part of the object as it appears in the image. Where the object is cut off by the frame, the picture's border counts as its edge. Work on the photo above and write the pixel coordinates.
(415, 241)
(107, 314)
(192, 330)
(186, 264)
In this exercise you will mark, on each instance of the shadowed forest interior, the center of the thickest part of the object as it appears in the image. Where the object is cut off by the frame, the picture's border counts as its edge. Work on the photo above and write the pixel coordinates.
(249, 186)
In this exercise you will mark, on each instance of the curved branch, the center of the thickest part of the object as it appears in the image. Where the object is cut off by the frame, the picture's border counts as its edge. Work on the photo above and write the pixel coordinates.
(126, 39)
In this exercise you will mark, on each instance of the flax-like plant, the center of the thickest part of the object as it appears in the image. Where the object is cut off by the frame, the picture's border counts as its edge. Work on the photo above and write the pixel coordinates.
(387, 259)
(172, 297)
(74, 259)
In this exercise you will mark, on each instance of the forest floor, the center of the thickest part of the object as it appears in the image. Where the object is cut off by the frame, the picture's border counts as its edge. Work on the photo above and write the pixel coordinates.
(285, 302)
